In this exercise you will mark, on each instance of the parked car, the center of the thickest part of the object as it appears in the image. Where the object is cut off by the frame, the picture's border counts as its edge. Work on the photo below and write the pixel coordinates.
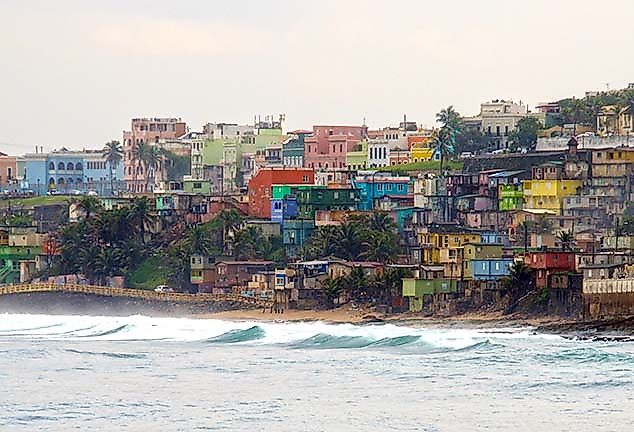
(163, 289)
(466, 155)
(92, 193)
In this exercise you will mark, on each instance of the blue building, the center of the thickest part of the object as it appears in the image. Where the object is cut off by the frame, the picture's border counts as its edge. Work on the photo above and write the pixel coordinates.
(283, 209)
(66, 171)
(490, 268)
(492, 237)
(293, 149)
(375, 186)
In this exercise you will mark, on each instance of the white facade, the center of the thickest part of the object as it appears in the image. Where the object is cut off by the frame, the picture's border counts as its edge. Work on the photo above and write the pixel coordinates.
(378, 153)
(499, 118)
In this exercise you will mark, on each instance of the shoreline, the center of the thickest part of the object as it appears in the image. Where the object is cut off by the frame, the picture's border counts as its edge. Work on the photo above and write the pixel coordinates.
(617, 329)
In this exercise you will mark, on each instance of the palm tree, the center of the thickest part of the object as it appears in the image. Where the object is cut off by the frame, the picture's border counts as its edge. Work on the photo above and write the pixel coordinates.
(229, 221)
(566, 238)
(381, 247)
(347, 241)
(154, 161)
(113, 152)
(246, 243)
(331, 288)
(381, 221)
(518, 282)
(575, 112)
(199, 240)
(139, 155)
(141, 217)
(89, 205)
(449, 118)
(443, 144)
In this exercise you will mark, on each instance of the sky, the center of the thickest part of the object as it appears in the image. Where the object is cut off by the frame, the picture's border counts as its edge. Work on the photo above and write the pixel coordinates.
(73, 73)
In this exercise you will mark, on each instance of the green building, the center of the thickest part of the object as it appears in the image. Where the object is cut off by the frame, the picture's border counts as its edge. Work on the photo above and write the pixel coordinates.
(417, 289)
(196, 186)
(510, 197)
(357, 159)
(309, 200)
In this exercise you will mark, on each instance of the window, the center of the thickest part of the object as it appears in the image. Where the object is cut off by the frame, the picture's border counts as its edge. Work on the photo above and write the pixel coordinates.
(400, 188)
(379, 187)
(51, 166)
(305, 179)
(198, 185)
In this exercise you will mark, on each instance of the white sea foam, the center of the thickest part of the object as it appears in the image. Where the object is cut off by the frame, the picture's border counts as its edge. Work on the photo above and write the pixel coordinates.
(139, 327)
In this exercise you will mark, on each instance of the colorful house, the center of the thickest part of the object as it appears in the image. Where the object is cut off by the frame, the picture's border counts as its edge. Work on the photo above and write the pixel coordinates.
(546, 263)
(375, 186)
(510, 197)
(548, 188)
(260, 187)
(421, 291)
(357, 158)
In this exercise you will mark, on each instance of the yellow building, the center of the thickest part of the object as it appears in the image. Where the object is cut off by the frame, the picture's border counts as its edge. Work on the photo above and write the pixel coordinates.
(548, 194)
(446, 249)
(420, 148)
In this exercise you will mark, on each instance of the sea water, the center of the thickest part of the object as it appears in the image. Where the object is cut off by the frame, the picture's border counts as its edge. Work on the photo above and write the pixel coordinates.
(62, 373)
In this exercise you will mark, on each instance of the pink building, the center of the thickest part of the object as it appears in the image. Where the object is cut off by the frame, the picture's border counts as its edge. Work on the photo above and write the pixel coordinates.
(8, 170)
(327, 147)
(149, 131)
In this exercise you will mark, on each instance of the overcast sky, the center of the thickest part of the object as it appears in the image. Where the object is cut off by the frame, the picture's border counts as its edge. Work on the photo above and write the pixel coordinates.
(74, 72)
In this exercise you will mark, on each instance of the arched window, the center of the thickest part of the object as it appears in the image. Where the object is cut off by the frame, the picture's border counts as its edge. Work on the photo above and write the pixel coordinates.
(79, 180)
(60, 166)
(69, 181)
(78, 166)
(51, 181)
(60, 181)
(70, 166)
(51, 166)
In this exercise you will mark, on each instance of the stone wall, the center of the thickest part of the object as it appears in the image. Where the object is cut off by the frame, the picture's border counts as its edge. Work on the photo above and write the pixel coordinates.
(606, 298)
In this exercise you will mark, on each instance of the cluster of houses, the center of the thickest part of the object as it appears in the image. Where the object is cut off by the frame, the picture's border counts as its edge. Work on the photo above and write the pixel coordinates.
(562, 208)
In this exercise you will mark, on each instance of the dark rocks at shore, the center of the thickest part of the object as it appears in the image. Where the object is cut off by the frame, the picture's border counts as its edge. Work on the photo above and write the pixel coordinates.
(608, 330)
(59, 303)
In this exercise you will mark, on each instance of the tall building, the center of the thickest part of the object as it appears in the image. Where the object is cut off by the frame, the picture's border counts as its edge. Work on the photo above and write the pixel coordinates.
(328, 146)
(149, 131)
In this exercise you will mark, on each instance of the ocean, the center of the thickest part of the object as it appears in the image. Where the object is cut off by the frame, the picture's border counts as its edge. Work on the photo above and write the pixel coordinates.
(136, 373)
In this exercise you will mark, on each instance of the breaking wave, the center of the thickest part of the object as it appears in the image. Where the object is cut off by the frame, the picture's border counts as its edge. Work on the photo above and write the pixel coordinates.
(294, 335)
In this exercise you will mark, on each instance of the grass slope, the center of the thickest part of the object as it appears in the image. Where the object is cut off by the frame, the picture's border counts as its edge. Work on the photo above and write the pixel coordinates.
(148, 275)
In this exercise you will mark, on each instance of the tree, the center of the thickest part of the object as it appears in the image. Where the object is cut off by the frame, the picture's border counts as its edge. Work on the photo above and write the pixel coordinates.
(246, 243)
(517, 283)
(199, 239)
(382, 222)
(575, 111)
(141, 217)
(381, 247)
(154, 161)
(444, 141)
(89, 205)
(139, 155)
(449, 118)
(566, 238)
(331, 289)
(525, 134)
(113, 152)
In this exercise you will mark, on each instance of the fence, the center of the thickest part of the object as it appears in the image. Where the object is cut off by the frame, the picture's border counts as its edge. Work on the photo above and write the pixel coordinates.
(133, 293)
